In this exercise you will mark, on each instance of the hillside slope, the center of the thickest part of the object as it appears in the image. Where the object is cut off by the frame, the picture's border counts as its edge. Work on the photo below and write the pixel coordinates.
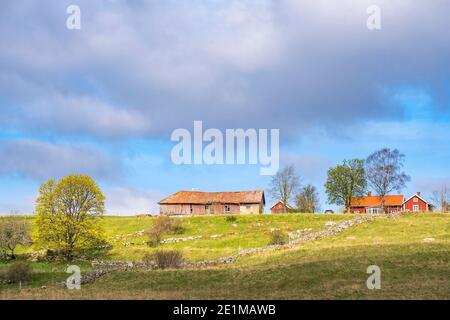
(334, 268)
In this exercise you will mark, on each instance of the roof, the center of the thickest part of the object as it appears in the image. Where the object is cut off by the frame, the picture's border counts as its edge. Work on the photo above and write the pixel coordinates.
(287, 205)
(415, 195)
(200, 197)
(375, 201)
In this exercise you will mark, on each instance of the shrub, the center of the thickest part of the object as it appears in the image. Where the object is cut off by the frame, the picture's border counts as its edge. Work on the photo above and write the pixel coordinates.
(230, 219)
(163, 225)
(13, 232)
(19, 271)
(278, 237)
(148, 259)
(168, 258)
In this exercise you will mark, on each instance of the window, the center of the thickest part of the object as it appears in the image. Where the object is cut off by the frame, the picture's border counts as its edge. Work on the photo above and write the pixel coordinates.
(415, 208)
(190, 209)
(227, 208)
(415, 200)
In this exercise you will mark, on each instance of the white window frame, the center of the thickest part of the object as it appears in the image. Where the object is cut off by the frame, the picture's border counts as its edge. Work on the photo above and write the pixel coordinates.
(416, 208)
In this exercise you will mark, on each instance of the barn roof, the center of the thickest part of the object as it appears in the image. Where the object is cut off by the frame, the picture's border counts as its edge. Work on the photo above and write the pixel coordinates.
(375, 201)
(200, 197)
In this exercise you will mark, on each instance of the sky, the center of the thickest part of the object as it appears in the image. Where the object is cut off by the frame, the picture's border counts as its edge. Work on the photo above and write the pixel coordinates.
(104, 99)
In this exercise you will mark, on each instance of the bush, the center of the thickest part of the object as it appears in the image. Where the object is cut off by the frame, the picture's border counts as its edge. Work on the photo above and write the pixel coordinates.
(163, 225)
(148, 259)
(167, 258)
(19, 271)
(278, 237)
(230, 219)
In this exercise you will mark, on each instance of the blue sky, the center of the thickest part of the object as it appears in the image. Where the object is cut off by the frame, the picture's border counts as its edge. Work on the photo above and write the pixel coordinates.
(103, 100)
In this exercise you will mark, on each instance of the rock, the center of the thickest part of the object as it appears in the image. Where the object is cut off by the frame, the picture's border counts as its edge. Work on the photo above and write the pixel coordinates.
(329, 223)
(428, 240)
(176, 240)
(37, 255)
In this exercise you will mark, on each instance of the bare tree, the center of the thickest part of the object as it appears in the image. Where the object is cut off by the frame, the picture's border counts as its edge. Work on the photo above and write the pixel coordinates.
(441, 198)
(383, 170)
(284, 185)
(308, 199)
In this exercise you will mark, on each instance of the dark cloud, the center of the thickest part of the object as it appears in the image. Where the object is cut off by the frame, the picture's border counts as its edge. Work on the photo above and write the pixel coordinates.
(145, 68)
(42, 160)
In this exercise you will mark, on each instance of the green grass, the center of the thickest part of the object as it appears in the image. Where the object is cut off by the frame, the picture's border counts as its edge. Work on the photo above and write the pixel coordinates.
(331, 268)
(248, 231)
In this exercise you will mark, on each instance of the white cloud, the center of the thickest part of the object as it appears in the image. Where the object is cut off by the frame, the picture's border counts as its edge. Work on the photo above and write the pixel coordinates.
(130, 201)
(45, 160)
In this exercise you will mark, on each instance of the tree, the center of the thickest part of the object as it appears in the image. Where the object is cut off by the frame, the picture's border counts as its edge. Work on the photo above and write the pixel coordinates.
(441, 198)
(284, 185)
(384, 172)
(68, 214)
(308, 199)
(14, 231)
(345, 181)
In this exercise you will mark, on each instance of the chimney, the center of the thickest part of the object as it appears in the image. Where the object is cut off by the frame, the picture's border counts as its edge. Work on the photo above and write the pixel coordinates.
(370, 193)
(418, 193)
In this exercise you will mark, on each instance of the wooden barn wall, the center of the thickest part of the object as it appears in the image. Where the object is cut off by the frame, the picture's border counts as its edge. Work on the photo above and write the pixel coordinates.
(215, 208)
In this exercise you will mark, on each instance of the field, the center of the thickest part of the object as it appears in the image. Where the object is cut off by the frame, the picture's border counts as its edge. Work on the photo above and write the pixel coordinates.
(330, 268)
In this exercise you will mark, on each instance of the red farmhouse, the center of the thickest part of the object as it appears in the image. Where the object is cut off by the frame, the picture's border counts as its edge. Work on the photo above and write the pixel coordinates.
(392, 204)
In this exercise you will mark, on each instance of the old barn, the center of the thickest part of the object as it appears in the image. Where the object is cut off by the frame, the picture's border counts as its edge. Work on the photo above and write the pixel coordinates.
(201, 203)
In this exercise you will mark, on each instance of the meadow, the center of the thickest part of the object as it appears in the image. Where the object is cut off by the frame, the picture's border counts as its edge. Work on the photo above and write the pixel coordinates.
(329, 268)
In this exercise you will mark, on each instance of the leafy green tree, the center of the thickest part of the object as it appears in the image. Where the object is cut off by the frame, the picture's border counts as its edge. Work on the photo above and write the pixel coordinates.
(68, 214)
(14, 231)
(345, 181)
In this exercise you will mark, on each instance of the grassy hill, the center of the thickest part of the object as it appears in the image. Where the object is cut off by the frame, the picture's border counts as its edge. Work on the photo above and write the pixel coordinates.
(333, 267)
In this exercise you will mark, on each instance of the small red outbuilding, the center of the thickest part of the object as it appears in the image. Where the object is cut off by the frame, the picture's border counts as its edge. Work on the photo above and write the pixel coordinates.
(415, 204)
(280, 208)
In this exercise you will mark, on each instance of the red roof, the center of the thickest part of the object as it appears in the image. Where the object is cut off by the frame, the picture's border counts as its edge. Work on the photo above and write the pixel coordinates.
(199, 197)
(287, 205)
(375, 201)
